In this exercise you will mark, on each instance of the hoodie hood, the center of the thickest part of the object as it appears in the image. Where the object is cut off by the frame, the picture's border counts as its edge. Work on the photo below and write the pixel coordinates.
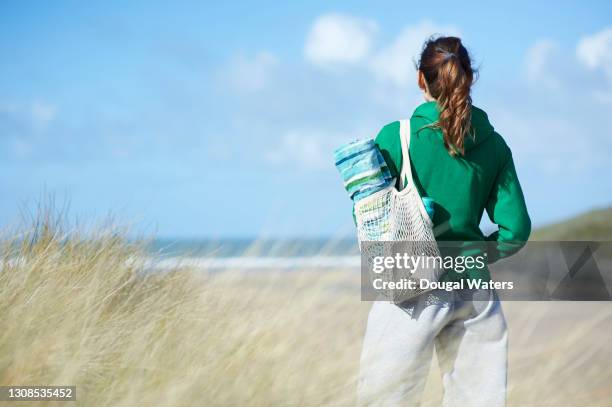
(482, 129)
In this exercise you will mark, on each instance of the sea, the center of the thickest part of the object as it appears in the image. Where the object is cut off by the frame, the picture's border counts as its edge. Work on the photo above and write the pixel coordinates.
(254, 254)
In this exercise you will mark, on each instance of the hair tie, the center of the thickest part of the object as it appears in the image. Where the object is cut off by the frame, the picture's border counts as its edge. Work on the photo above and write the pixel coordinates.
(447, 54)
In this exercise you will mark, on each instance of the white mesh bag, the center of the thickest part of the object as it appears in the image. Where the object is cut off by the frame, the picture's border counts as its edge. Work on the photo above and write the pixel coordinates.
(399, 216)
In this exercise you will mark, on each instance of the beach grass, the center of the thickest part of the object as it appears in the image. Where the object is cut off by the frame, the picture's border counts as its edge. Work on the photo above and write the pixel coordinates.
(78, 308)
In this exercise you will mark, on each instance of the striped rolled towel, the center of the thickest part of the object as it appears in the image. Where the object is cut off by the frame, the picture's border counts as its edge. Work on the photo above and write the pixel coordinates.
(363, 168)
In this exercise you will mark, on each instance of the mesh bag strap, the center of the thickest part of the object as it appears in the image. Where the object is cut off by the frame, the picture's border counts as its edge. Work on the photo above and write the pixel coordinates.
(406, 172)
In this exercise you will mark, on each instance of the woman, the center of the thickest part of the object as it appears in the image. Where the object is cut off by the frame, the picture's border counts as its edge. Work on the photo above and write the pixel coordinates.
(460, 162)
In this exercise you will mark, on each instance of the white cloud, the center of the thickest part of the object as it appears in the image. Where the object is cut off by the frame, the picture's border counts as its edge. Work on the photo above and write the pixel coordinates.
(21, 148)
(38, 114)
(337, 38)
(550, 143)
(585, 71)
(595, 51)
(538, 64)
(559, 137)
(251, 74)
(43, 112)
(25, 125)
(309, 149)
(300, 149)
(395, 62)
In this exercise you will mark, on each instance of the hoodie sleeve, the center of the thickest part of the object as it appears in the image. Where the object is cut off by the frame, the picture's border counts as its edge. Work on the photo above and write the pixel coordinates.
(390, 146)
(506, 207)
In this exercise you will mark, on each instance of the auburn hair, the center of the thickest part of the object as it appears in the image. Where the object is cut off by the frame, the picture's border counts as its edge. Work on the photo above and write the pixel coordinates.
(447, 69)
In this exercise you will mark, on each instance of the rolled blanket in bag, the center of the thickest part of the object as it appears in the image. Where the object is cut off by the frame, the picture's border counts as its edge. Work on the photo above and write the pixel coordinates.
(364, 171)
(363, 168)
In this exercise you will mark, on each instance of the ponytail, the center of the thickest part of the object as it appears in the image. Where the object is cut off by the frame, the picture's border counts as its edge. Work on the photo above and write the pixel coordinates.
(447, 69)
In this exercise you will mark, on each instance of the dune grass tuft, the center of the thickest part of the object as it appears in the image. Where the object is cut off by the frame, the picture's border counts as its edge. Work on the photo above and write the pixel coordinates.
(79, 308)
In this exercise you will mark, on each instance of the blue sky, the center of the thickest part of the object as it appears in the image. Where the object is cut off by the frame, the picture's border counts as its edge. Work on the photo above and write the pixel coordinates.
(198, 120)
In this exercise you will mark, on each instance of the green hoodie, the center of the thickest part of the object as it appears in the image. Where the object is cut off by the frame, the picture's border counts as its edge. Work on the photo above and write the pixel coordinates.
(463, 187)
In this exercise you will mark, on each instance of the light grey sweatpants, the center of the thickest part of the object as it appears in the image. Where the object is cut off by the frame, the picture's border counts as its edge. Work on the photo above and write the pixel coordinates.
(467, 330)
